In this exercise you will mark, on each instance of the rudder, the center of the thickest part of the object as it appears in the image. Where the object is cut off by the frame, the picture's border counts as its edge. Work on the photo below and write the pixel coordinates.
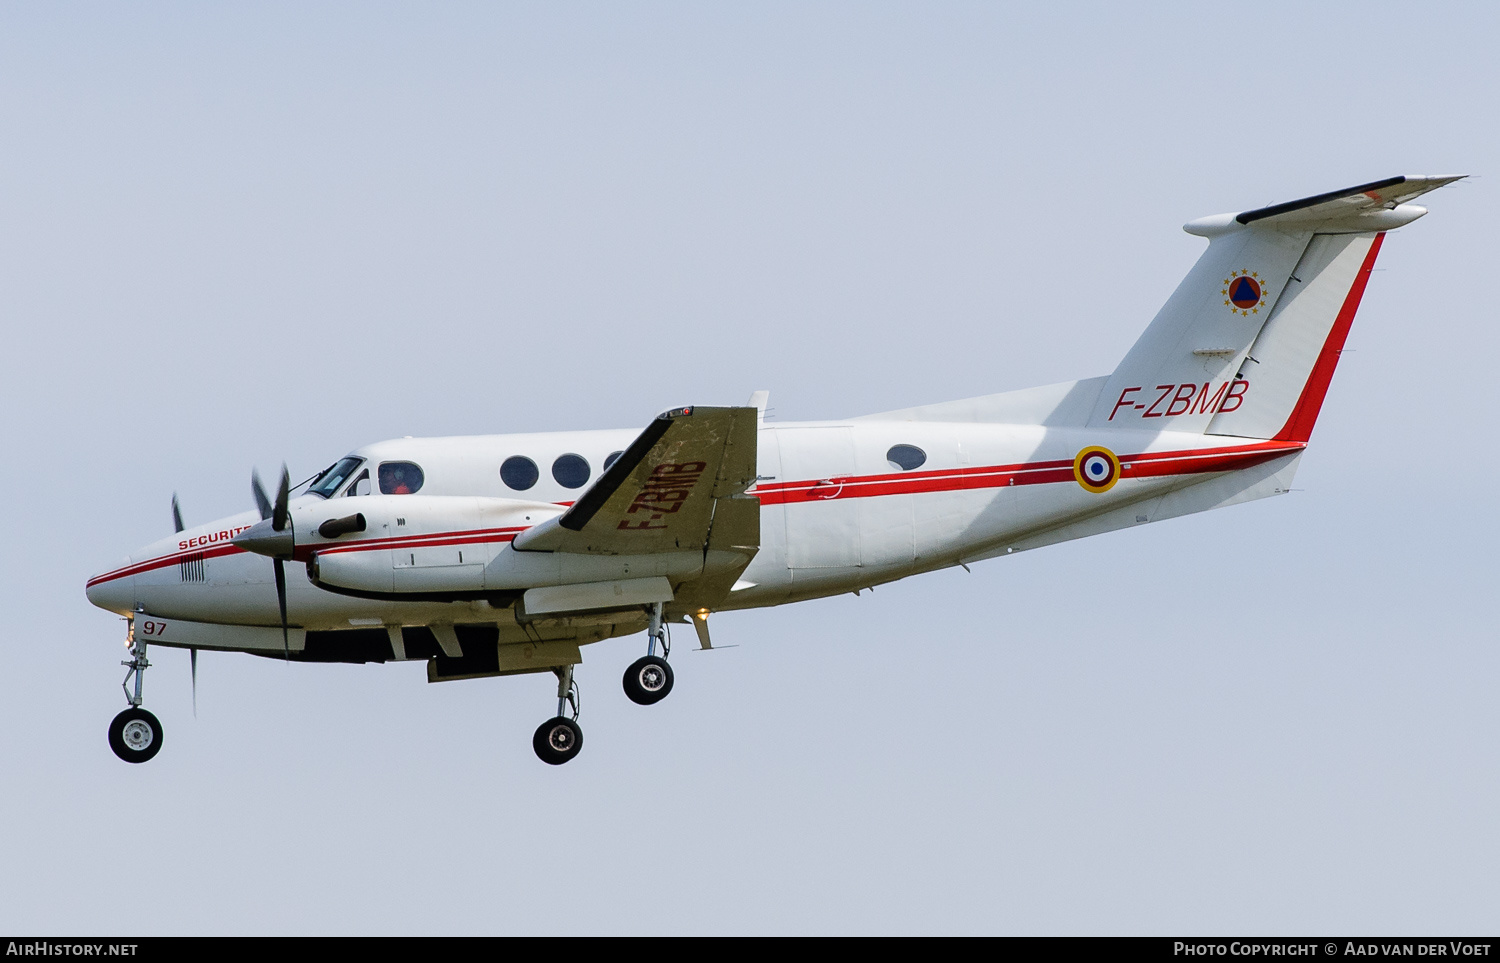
(1292, 359)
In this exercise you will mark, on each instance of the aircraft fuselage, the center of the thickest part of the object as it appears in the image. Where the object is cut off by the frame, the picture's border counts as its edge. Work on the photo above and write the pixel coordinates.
(837, 515)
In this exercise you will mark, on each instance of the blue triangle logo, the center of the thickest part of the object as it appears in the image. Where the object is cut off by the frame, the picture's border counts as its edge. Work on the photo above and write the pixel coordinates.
(1242, 291)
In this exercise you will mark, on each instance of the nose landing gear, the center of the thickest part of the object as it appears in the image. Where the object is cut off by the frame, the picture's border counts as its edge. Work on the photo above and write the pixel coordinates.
(649, 678)
(135, 734)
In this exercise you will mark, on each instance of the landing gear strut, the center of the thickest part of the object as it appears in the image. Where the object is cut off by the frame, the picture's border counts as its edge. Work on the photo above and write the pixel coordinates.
(135, 734)
(558, 739)
(649, 678)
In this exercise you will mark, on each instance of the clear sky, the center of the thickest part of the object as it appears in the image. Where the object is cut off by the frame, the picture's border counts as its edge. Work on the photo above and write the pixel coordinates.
(232, 235)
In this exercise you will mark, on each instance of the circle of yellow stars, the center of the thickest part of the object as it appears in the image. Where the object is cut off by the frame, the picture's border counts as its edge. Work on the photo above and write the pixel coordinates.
(1230, 304)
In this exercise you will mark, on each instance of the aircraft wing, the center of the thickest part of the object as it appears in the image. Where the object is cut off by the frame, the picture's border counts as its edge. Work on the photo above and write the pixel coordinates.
(682, 478)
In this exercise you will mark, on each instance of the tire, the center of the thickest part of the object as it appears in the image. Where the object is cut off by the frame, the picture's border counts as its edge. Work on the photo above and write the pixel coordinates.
(648, 680)
(557, 740)
(135, 735)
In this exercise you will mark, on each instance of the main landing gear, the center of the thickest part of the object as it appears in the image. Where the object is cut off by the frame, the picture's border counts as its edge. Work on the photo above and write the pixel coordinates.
(649, 678)
(647, 681)
(558, 739)
(135, 734)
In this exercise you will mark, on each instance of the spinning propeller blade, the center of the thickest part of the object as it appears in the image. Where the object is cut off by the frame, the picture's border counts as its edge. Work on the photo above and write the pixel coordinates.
(279, 515)
(261, 501)
(278, 523)
(283, 493)
(286, 648)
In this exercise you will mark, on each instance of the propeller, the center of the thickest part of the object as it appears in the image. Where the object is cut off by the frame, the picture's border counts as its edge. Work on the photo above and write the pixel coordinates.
(259, 491)
(192, 653)
(275, 540)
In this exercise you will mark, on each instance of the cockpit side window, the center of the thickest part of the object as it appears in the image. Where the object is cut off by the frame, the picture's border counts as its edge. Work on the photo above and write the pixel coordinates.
(400, 478)
(333, 476)
(360, 485)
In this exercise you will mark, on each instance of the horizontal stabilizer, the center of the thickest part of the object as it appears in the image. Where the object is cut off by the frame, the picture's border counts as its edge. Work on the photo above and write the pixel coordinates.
(1351, 201)
(1366, 208)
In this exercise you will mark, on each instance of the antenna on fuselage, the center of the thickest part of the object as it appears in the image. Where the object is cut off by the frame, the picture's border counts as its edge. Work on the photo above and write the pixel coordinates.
(176, 514)
(758, 401)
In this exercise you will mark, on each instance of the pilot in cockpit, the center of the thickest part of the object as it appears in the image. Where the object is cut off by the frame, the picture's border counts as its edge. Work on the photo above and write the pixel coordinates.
(400, 478)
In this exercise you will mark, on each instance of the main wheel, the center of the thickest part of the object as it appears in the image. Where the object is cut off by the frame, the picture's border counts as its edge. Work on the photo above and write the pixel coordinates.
(135, 735)
(557, 740)
(648, 680)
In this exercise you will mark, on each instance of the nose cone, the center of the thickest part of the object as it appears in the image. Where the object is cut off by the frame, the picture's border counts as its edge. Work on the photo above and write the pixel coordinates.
(262, 539)
(113, 591)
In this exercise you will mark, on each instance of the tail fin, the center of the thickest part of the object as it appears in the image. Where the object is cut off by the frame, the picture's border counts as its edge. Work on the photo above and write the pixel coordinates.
(1248, 342)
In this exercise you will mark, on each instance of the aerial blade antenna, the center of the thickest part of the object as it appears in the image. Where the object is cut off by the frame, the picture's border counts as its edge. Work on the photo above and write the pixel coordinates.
(176, 514)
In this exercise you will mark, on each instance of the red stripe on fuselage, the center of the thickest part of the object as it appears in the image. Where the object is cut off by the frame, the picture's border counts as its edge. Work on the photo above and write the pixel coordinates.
(1150, 464)
(163, 561)
(473, 537)
(303, 552)
(1145, 465)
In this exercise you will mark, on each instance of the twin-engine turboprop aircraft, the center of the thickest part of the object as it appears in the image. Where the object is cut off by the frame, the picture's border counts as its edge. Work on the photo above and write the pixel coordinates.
(506, 554)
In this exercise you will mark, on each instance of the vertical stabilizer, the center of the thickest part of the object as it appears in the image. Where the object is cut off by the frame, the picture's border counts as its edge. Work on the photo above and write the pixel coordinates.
(1247, 344)
(1181, 372)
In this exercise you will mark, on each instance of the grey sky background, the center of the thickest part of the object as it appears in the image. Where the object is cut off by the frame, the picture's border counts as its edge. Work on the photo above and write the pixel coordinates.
(236, 235)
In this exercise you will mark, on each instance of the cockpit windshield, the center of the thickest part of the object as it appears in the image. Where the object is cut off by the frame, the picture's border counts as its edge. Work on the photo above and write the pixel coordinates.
(333, 476)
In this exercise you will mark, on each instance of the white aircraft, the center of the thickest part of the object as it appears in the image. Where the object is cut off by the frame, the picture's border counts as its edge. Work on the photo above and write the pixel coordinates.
(505, 554)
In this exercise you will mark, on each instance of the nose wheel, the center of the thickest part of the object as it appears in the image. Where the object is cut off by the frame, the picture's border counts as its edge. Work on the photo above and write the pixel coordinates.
(135, 734)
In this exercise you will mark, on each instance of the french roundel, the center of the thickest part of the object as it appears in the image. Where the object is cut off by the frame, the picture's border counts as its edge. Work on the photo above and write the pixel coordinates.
(1097, 469)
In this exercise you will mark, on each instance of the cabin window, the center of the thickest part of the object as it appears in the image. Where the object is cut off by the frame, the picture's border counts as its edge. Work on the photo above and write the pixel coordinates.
(571, 471)
(333, 476)
(360, 485)
(519, 472)
(906, 457)
(400, 478)
(611, 458)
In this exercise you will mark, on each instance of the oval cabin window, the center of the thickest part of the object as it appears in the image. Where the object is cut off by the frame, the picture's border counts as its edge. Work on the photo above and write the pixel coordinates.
(519, 472)
(906, 457)
(571, 471)
(399, 478)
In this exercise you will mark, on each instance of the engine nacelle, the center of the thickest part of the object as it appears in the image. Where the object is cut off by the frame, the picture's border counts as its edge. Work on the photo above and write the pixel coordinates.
(410, 544)
(452, 548)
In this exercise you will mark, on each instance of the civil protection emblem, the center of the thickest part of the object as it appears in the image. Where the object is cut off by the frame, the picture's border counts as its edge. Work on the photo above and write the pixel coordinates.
(1244, 292)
